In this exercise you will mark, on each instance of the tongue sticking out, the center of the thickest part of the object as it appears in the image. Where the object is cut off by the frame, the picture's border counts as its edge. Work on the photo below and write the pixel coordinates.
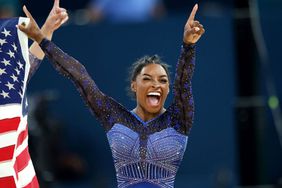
(153, 101)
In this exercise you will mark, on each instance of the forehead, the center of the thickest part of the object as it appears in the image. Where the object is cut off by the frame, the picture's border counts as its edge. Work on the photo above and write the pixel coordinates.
(153, 69)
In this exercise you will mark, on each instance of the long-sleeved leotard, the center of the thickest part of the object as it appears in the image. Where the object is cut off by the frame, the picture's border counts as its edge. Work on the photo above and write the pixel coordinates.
(34, 65)
(145, 153)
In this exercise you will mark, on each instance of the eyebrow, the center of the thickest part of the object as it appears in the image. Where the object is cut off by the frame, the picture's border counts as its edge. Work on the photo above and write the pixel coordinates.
(151, 76)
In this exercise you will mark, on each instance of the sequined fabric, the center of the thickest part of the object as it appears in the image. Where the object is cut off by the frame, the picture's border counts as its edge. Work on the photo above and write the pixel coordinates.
(34, 65)
(146, 154)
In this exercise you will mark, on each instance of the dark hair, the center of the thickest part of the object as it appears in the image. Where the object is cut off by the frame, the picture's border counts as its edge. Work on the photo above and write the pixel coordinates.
(137, 66)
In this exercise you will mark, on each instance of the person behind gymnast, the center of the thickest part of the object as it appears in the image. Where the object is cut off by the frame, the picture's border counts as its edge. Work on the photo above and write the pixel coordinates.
(148, 142)
(19, 171)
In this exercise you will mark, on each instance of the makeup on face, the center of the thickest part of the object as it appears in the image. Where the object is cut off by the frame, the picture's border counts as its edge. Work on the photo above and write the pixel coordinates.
(152, 87)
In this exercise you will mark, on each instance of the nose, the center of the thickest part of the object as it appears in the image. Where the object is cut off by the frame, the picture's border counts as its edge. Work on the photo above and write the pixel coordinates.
(155, 84)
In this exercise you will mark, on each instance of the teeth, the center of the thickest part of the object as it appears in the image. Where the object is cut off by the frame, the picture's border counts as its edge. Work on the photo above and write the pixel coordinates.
(154, 94)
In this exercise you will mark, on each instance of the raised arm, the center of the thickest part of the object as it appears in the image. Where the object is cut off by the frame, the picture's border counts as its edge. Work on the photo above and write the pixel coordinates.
(55, 19)
(105, 108)
(183, 102)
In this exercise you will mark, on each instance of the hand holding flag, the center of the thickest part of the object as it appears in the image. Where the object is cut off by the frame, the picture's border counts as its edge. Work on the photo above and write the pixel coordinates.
(31, 29)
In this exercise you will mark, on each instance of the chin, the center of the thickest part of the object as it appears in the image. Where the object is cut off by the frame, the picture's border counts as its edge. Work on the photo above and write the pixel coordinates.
(156, 110)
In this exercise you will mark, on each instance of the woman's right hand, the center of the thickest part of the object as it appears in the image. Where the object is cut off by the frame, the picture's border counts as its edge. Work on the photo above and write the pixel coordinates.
(31, 30)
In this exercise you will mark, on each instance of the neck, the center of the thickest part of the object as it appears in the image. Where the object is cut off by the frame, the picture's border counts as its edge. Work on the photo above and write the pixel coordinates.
(145, 115)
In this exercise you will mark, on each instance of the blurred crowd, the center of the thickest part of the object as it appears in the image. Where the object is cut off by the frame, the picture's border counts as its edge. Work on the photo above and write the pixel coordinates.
(94, 11)
(9, 8)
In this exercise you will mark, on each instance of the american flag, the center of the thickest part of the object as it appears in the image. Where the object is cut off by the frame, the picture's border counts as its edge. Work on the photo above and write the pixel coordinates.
(16, 168)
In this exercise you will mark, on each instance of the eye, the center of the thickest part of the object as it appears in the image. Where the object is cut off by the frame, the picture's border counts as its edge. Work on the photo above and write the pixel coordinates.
(146, 78)
(164, 81)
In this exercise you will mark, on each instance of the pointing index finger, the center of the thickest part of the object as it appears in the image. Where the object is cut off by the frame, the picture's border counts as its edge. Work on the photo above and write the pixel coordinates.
(193, 13)
(56, 3)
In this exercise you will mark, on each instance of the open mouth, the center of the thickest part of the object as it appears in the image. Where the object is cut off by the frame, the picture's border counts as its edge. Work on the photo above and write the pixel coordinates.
(153, 98)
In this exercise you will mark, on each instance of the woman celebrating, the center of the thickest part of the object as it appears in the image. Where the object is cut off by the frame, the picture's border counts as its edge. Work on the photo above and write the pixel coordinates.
(148, 142)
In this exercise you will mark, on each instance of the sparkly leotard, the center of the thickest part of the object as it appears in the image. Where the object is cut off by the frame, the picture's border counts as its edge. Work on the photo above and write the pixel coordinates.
(146, 154)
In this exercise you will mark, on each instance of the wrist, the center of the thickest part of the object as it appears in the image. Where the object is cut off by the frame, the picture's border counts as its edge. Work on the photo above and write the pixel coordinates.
(39, 38)
(46, 32)
(188, 42)
(188, 45)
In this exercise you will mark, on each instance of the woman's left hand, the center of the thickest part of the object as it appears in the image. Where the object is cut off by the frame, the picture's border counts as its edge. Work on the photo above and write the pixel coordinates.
(193, 30)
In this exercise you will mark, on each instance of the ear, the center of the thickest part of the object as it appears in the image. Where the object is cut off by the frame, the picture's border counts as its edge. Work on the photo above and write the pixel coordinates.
(133, 86)
(168, 88)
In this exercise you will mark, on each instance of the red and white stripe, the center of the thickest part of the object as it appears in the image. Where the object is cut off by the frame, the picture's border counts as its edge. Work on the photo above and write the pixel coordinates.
(16, 168)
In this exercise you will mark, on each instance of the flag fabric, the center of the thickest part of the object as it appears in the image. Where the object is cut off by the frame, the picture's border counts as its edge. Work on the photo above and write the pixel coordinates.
(16, 168)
